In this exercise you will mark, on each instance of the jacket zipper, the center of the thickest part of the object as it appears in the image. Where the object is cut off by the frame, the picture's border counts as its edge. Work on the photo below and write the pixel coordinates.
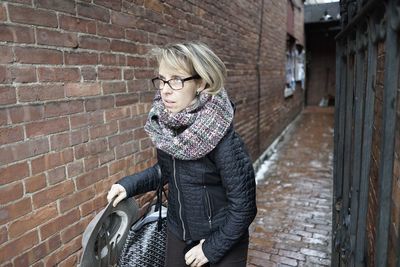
(179, 201)
(209, 214)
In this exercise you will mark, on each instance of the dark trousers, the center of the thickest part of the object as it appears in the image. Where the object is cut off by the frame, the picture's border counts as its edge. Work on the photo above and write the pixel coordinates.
(236, 257)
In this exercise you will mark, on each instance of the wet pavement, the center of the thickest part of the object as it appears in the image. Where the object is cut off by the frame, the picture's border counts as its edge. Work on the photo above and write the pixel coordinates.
(294, 196)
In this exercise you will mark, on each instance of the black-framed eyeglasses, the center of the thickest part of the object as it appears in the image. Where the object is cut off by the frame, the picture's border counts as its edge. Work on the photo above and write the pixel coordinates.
(174, 83)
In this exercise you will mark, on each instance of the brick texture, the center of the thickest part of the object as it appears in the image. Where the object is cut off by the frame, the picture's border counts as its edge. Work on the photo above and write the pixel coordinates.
(75, 94)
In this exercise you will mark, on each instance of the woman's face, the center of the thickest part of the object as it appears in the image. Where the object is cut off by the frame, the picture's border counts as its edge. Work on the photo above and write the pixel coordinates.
(178, 100)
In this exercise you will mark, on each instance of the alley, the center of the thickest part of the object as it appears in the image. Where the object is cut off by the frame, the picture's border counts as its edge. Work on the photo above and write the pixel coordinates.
(293, 224)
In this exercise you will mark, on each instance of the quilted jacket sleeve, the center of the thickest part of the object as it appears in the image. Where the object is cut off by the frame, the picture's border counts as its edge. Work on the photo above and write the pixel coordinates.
(238, 179)
(141, 182)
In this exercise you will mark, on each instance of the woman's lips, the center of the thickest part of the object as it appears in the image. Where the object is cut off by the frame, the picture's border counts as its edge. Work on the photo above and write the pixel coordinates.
(168, 103)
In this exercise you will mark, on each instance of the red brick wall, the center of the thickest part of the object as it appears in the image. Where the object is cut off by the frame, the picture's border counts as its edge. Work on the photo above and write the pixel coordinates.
(74, 96)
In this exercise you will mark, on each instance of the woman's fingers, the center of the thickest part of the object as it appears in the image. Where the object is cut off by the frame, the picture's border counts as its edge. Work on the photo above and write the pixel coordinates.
(117, 191)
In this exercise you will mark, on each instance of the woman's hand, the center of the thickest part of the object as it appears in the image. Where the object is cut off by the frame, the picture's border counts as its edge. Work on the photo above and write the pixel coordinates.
(116, 190)
(195, 257)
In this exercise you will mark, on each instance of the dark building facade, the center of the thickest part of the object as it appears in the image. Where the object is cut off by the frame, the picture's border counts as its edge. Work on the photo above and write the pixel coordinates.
(321, 26)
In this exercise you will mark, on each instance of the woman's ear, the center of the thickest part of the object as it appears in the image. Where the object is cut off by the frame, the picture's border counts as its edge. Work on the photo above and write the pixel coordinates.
(202, 86)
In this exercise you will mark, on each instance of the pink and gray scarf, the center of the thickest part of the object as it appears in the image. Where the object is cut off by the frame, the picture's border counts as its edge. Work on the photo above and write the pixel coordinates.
(193, 132)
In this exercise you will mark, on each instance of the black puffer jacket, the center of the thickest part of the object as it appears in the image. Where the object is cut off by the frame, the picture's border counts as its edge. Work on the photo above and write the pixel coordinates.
(212, 197)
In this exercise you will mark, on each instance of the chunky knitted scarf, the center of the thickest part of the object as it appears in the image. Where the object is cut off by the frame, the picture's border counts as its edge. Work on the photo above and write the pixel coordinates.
(193, 132)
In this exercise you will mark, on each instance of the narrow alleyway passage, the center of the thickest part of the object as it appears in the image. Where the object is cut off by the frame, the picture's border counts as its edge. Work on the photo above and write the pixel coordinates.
(293, 224)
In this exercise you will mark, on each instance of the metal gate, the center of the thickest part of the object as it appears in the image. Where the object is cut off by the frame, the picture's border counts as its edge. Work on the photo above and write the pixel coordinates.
(367, 80)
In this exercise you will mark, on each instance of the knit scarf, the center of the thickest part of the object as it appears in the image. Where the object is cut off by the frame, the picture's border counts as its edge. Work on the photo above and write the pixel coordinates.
(193, 132)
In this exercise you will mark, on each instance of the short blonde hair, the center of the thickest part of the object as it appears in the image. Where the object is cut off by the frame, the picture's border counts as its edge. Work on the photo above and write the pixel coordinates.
(194, 58)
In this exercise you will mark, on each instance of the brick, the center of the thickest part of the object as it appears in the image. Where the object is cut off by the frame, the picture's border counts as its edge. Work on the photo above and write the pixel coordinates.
(67, 249)
(23, 150)
(58, 74)
(99, 103)
(74, 200)
(146, 97)
(103, 130)
(11, 192)
(4, 75)
(32, 220)
(38, 55)
(112, 59)
(52, 193)
(32, 16)
(7, 95)
(16, 34)
(74, 230)
(137, 62)
(115, 5)
(40, 92)
(316, 253)
(124, 20)
(154, 5)
(130, 123)
(38, 252)
(94, 12)
(59, 223)
(70, 261)
(3, 235)
(56, 38)
(26, 113)
(106, 157)
(82, 89)
(91, 177)
(51, 160)
(137, 36)
(23, 74)
(139, 133)
(80, 58)
(126, 149)
(89, 73)
(6, 55)
(128, 75)
(117, 166)
(66, 6)
(110, 30)
(94, 43)
(91, 148)
(77, 24)
(14, 172)
(86, 119)
(144, 74)
(91, 163)
(56, 175)
(292, 255)
(79, 137)
(35, 183)
(47, 127)
(18, 246)
(126, 47)
(126, 99)
(117, 113)
(113, 87)
(74, 169)
(284, 260)
(109, 73)
(3, 13)
(139, 85)
(93, 205)
(15, 210)
(60, 108)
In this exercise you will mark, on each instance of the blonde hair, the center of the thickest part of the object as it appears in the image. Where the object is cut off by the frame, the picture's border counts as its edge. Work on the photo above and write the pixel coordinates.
(194, 58)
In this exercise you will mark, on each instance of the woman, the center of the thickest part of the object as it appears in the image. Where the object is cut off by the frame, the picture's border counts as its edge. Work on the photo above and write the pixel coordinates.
(211, 200)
